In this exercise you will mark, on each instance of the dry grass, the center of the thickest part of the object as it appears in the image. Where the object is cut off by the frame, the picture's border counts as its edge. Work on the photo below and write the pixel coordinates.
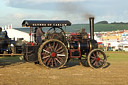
(74, 74)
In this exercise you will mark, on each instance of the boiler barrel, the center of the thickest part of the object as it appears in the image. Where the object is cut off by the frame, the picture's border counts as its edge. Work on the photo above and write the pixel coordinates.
(87, 45)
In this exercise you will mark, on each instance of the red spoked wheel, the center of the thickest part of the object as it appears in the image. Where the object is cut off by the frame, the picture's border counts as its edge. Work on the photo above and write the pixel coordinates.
(53, 54)
(96, 58)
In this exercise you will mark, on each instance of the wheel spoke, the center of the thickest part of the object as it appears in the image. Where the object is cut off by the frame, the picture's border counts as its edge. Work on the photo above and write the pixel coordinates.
(52, 62)
(46, 51)
(55, 62)
(53, 45)
(94, 63)
(49, 61)
(50, 46)
(93, 57)
(59, 49)
(46, 60)
(60, 55)
(44, 54)
(46, 57)
(56, 47)
(47, 48)
(94, 54)
(98, 54)
(58, 60)
(100, 63)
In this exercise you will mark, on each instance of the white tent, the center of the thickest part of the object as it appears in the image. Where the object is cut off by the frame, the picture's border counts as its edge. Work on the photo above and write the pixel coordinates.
(12, 33)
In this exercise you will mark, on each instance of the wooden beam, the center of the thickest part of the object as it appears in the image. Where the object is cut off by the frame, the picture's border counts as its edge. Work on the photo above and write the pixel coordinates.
(11, 54)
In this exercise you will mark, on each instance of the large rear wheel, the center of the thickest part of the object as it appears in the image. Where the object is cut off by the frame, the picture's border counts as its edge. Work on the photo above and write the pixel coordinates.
(53, 54)
(96, 58)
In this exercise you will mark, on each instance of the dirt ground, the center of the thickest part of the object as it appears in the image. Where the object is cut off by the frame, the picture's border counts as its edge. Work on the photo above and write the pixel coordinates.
(72, 74)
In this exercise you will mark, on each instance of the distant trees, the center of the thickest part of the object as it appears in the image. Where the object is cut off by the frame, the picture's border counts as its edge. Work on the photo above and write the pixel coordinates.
(106, 22)
(102, 22)
(119, 23)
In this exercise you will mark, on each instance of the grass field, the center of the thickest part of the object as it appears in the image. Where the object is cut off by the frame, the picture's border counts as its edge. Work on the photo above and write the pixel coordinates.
(117, 56)
(112, 56)
(7, 60)
(73, 73)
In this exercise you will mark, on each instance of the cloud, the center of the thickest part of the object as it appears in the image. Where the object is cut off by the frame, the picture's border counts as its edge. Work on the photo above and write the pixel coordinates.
(73, 10)
(42, 1)
(40, 4)
(17, 18)
(68, 7)
(113, 17)
(50, 1)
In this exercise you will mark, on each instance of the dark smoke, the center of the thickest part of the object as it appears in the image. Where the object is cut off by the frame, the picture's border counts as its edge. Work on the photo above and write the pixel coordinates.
(75, 9)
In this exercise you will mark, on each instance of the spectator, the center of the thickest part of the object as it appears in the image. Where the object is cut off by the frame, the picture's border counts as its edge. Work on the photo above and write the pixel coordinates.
(6, 35)
(2, 34)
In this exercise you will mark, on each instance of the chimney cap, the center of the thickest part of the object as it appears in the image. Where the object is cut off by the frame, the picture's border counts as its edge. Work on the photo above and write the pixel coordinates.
(91, 17)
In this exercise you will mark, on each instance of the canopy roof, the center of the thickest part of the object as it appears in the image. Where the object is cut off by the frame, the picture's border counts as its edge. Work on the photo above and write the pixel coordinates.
(45, 23)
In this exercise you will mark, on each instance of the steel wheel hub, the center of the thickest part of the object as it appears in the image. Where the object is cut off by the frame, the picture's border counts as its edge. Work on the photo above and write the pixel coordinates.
(98, 59)
(53, 54)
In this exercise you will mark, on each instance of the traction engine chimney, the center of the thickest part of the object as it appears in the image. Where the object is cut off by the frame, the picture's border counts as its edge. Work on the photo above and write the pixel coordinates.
(91, 19)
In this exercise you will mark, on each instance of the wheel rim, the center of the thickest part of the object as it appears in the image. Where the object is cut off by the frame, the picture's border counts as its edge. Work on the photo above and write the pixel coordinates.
(97, 59)
(54, 54)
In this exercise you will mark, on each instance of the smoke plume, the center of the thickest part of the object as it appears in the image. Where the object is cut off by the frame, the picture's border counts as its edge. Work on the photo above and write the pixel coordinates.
(75, 9)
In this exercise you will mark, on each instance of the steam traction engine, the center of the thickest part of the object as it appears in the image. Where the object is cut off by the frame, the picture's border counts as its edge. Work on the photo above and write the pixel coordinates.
(57, 47)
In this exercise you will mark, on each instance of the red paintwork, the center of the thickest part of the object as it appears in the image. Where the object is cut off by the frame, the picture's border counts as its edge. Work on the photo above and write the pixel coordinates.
(74, 33)
(29, 34)
(98, 59)
(30, 43)
(100, 42)
(73, 50)
(53, 54)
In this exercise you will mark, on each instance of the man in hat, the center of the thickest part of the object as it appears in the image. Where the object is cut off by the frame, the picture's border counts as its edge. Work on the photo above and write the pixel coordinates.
(83, 33)
(39, 33)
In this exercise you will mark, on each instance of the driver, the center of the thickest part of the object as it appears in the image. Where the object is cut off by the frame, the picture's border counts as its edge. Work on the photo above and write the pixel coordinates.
(39, 33)
(83, 33)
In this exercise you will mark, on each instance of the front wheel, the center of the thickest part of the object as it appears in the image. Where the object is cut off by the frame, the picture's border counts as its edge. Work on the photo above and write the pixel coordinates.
(96, 58)
(53, 54)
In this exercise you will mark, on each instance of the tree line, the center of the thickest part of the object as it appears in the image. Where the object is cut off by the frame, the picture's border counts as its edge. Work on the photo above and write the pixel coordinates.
(106, 22)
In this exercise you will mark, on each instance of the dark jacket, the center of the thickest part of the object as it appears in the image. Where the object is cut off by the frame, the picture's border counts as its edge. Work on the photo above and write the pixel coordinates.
(39, 32)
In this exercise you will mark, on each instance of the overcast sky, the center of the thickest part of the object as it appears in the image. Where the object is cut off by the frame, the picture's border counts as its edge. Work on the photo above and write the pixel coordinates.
(77, 11)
